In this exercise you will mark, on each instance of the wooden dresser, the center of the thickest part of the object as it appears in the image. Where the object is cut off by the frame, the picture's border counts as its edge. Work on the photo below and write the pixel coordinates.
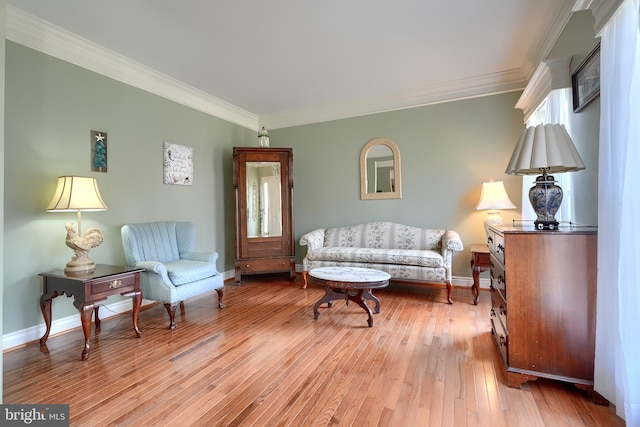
(543, 303)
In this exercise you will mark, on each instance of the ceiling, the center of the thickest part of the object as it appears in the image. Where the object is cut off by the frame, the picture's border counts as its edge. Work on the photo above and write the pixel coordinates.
(290, 62)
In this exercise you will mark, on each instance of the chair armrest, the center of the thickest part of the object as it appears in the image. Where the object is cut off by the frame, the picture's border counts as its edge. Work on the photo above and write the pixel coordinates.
(451, 241)
(313, 239)
(200, 256)
(154, 267)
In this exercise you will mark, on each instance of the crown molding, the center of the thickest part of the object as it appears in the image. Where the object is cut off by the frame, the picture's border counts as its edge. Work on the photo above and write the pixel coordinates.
(603, 11)
(40, 35)
(418, 97)
(551, 74)
(539, 52)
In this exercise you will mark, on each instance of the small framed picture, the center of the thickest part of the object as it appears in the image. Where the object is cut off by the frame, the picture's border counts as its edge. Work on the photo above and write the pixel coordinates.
(98, 151)
(585, 81)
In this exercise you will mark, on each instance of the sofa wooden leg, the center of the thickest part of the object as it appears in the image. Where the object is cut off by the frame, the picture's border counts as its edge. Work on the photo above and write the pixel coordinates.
(304, 279)
(171, 309)
(449, 288)
(220, 294)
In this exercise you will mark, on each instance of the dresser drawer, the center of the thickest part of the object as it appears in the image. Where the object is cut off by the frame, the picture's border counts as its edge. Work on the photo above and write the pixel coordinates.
(501, 337)
(498, 277)
(122, 283)
(499, 307)
(264, 265)
(499, 247)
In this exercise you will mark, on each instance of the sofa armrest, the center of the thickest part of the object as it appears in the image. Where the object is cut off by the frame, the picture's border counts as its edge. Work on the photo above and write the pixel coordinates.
(200, 256)
(451, 241)
(313, 239)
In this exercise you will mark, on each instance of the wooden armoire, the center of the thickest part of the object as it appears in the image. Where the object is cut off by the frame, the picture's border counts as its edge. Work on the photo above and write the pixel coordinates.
(263, 189)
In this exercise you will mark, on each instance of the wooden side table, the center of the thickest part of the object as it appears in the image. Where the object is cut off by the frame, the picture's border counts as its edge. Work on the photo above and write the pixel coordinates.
(479, 263)
(88, 290)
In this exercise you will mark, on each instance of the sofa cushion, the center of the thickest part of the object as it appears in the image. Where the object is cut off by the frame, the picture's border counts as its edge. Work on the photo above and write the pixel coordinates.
(422, 258)
(186, 271)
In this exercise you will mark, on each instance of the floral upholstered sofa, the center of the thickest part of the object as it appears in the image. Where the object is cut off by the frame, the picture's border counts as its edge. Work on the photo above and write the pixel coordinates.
(407, 253)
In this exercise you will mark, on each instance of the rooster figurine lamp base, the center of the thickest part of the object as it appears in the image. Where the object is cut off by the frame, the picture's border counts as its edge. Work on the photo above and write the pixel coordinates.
(81, 245)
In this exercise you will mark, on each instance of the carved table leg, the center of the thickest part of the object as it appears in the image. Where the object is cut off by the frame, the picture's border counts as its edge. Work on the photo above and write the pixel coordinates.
(329, 296)
(476, 279)
(97, 317)
(45, 307)
(137, 303)
(369, 295)
(86, 310)
(358, 299)
(304, 279)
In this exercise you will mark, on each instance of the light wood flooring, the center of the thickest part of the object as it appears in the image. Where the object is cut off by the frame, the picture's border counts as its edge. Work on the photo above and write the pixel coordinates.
(264, 361)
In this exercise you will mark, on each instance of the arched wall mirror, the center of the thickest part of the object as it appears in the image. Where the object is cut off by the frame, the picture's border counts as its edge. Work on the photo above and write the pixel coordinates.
(380, 174)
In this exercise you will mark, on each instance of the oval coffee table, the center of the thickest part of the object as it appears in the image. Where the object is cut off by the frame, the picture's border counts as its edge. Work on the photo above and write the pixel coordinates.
(350, 284)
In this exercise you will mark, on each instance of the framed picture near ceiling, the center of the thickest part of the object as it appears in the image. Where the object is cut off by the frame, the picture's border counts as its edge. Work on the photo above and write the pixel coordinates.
(98, 151)
(585, 81)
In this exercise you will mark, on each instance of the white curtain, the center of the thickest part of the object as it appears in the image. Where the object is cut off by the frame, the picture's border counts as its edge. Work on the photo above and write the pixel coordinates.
(617, 362)
(554, 109)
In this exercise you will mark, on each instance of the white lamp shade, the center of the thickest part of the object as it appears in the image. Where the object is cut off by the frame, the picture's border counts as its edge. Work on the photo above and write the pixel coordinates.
(494, 197)
(547, 146)
(76, 193)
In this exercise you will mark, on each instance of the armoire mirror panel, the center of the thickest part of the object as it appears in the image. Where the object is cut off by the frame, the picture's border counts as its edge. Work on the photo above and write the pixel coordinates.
(264, 200)
(380, 171)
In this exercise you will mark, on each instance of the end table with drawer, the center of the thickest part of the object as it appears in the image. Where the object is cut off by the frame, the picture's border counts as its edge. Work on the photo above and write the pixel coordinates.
(89, 290)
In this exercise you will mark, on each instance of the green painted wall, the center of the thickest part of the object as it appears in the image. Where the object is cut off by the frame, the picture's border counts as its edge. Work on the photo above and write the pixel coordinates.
(51, 107)
(447, 150)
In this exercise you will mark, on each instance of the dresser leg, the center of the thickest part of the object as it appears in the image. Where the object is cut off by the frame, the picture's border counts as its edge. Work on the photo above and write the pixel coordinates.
(516, 379)
(598, 399)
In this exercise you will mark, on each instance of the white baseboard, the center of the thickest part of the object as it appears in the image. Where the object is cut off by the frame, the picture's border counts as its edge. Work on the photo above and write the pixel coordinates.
(24, 336)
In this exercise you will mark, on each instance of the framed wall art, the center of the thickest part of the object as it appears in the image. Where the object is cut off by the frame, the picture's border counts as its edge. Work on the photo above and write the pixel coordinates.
(178, 164)
(98, 151)
(585, 81)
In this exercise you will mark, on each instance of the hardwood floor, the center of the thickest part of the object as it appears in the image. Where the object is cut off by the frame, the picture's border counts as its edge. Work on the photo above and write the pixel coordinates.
(264, 361)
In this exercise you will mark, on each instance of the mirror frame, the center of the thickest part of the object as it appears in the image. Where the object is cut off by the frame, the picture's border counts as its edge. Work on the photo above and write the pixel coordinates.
(397, 193)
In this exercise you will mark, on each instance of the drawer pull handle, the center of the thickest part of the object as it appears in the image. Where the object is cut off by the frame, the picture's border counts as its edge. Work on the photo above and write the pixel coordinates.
(493, 313)
(503, 341)
(115, 284)
(500, 248)
(489, 239)
(503, 310)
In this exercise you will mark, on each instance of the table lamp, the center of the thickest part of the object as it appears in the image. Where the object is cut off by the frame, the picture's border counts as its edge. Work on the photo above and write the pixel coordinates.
(545, 149)
(492, 199)
(78, 194)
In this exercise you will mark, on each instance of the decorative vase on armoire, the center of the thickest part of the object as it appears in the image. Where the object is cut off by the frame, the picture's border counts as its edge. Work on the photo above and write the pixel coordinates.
(263, 190)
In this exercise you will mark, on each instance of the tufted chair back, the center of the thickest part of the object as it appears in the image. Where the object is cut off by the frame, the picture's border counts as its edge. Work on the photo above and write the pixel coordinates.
(157, 241)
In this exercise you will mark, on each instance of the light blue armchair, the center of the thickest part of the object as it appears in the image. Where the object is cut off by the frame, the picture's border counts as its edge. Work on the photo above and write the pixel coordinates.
(172, 271)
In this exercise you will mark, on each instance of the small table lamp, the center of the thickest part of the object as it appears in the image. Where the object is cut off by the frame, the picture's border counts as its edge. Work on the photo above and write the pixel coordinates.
(545, 149)
(493, 198)
(78, 194)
